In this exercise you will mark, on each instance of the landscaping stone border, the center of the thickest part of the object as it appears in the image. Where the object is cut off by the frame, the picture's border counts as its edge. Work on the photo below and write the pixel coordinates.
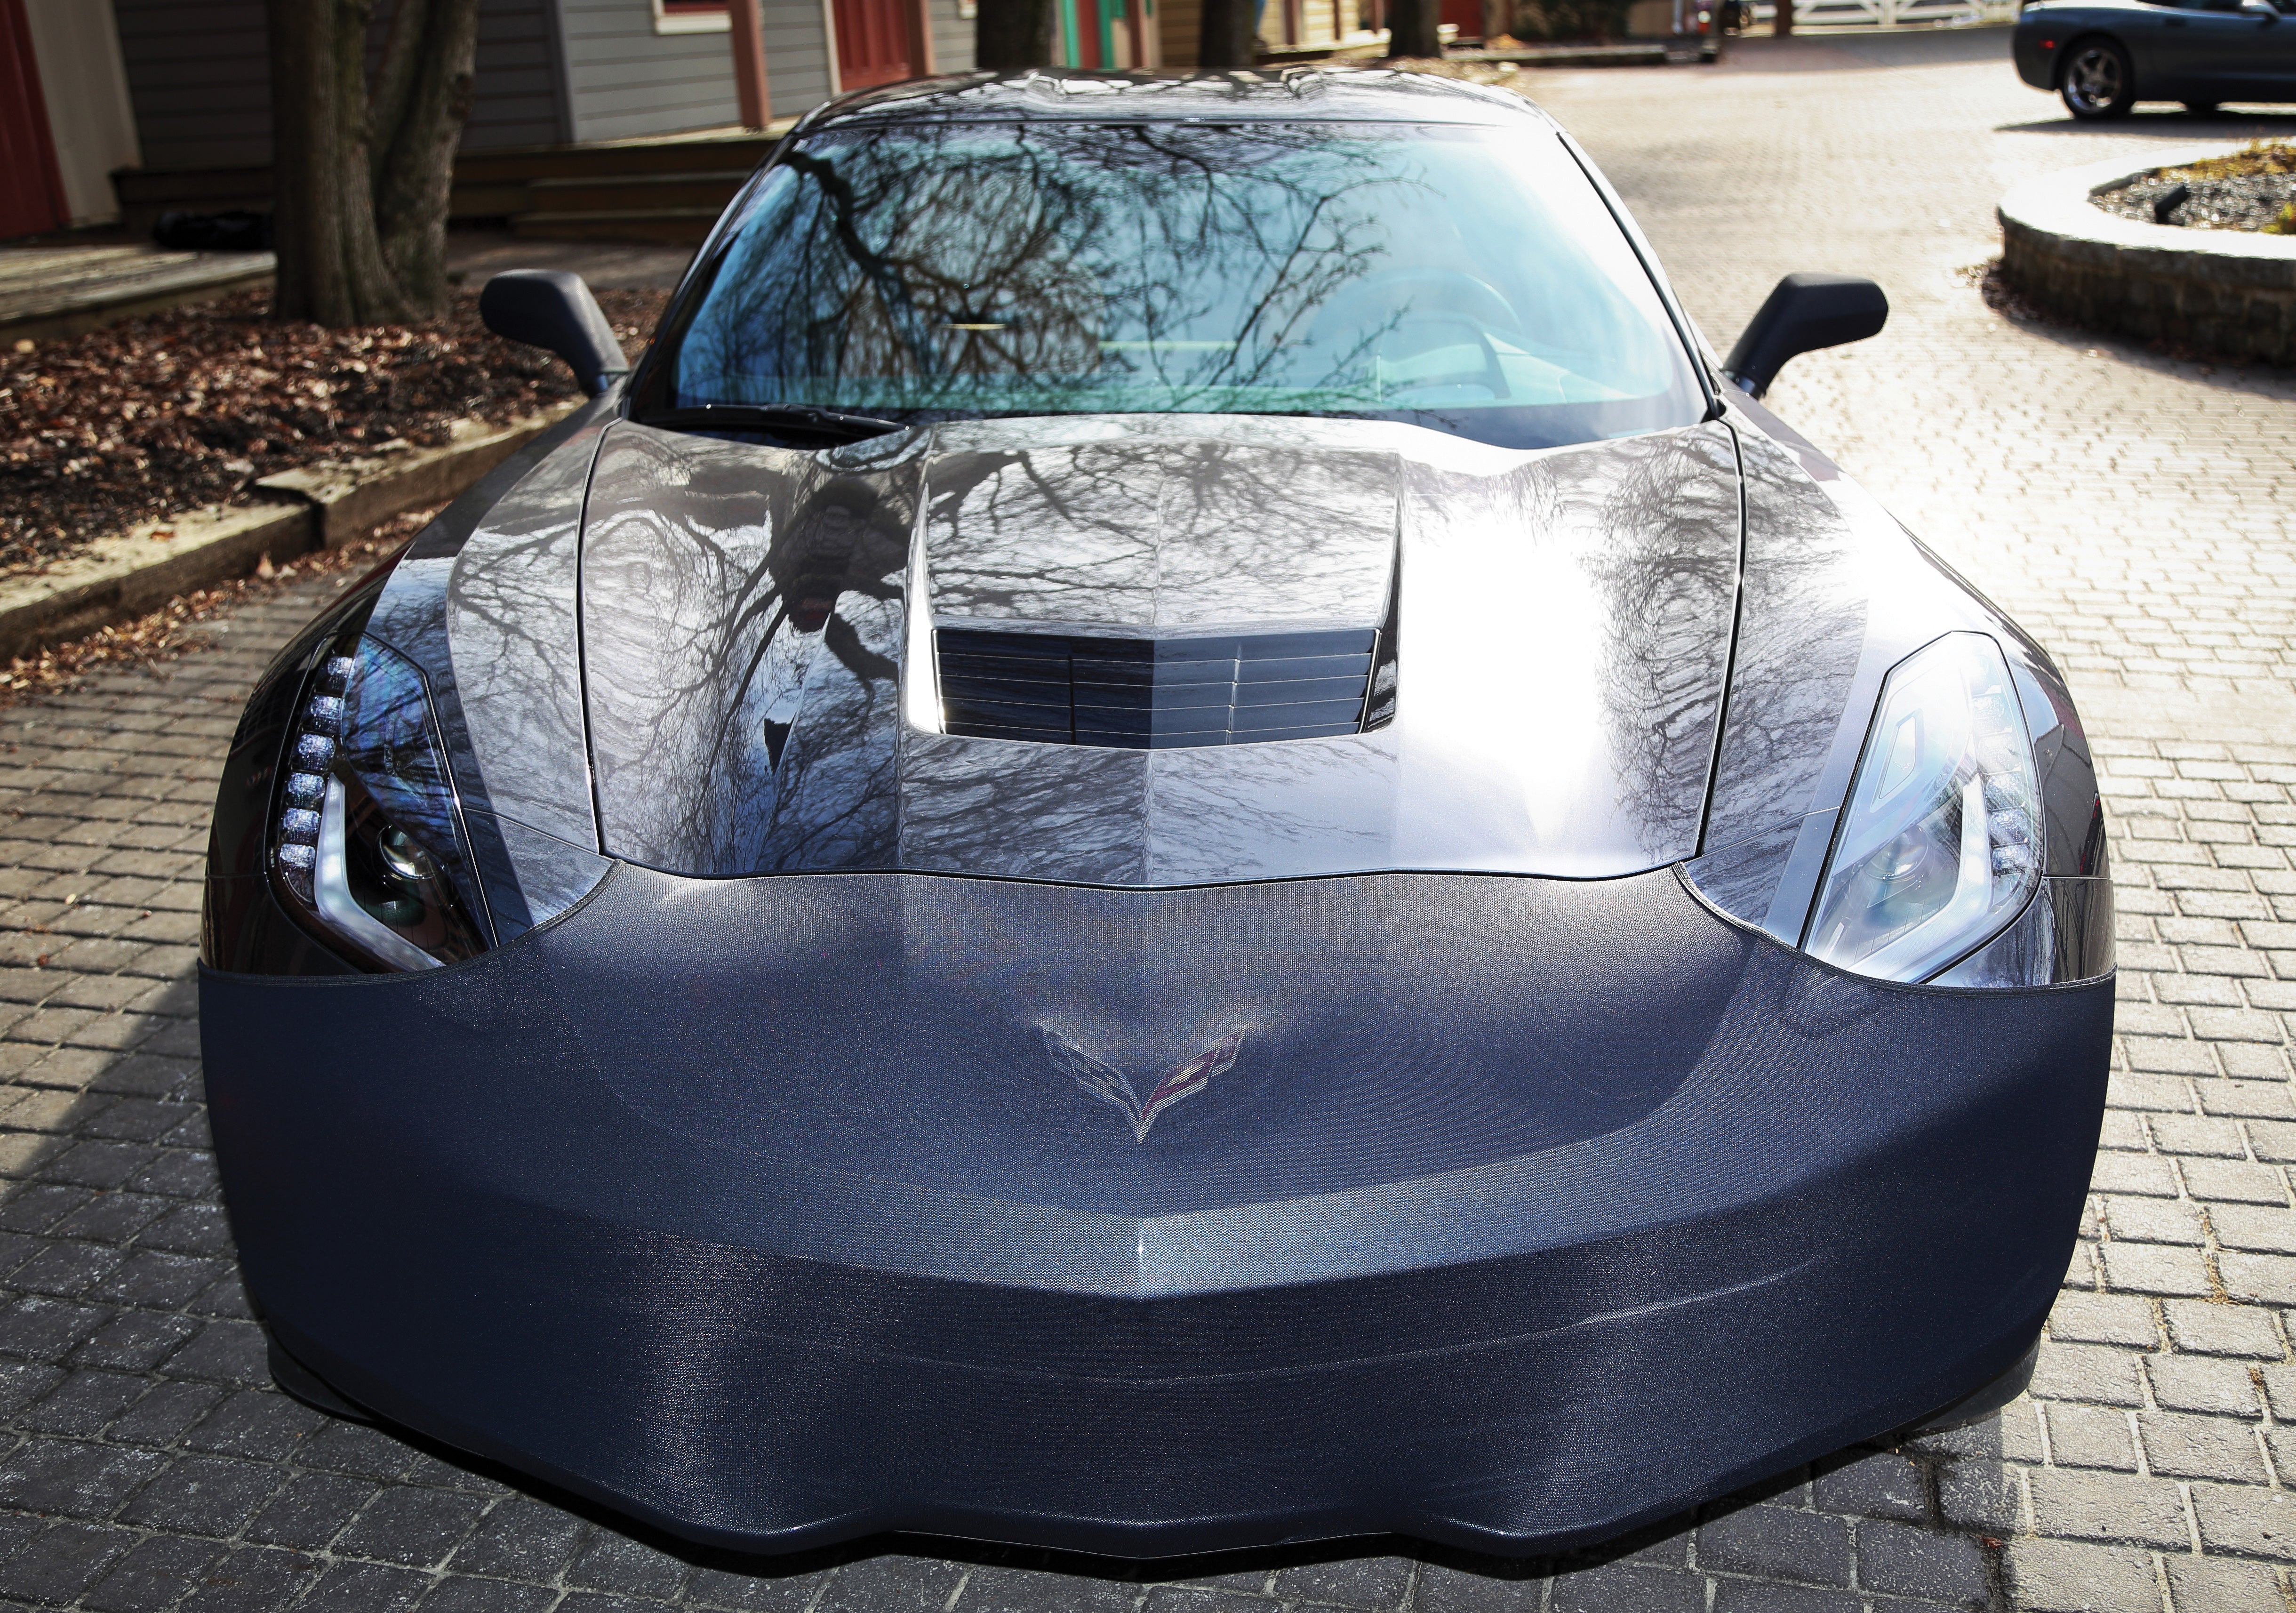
(2228, 292)
(326, 507)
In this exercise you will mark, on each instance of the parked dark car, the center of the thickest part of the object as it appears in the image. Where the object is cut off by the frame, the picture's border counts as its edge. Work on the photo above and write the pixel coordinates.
(1181, 833)
(2104, 56)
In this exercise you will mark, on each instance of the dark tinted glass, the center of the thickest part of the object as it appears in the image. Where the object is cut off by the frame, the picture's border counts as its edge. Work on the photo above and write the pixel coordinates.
(1466, 279)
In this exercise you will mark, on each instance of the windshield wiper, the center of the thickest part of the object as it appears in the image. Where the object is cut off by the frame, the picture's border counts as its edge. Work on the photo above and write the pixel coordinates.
(804, 422)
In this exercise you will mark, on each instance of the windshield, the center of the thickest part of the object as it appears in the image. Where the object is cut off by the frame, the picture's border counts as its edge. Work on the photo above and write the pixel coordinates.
(1467, 279)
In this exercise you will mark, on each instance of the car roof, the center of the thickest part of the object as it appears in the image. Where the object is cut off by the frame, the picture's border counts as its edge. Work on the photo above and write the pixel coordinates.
(1372, 95)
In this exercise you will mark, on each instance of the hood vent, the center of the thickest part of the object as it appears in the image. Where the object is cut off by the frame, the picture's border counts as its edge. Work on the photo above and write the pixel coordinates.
(1144, 693)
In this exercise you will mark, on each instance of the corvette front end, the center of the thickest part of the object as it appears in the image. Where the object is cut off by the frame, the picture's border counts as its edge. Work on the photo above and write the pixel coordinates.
(1150, 980)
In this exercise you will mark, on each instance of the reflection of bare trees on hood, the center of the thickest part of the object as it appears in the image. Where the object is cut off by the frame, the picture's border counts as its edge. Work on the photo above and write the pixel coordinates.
(1171, 533)
(728, 591)
(1672, 588)
(1803, 631)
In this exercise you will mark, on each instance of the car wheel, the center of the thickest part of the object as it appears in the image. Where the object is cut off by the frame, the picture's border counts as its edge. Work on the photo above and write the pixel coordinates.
(2099, 81)
(2200, 109)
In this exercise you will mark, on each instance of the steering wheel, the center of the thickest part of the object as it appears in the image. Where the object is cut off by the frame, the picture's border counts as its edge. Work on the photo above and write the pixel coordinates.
(1411, 290)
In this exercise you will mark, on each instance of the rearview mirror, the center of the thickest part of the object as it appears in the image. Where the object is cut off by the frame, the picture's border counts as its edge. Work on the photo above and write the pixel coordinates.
(553, 310)
(1801, 314)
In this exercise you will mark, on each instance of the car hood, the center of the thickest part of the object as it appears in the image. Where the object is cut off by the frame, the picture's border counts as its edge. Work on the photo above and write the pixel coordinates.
(759, 695)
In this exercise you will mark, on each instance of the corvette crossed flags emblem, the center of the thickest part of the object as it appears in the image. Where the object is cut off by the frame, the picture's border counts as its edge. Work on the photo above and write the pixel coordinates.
(1112, 1086)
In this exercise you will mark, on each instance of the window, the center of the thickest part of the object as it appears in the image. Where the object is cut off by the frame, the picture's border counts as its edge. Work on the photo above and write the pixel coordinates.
(691, 17)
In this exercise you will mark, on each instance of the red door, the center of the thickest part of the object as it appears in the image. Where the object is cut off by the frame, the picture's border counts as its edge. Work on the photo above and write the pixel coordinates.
(31, 189)
(1466, 16)
(873, 42)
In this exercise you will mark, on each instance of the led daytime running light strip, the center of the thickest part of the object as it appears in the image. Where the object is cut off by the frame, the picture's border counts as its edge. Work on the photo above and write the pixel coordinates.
(309, 761)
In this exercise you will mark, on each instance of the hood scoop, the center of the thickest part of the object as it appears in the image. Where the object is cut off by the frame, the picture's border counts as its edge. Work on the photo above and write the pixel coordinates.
(1158, 694)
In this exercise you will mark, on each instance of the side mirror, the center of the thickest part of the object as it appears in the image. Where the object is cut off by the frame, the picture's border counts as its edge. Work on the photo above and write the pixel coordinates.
(552, 308)
(1801, 314)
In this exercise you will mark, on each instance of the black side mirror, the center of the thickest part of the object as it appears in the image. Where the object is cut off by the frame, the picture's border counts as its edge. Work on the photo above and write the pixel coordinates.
(1801, 314)
(552, 308)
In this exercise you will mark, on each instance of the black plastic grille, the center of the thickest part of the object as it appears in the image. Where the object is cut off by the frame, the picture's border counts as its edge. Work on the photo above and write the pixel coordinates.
(1153, 693)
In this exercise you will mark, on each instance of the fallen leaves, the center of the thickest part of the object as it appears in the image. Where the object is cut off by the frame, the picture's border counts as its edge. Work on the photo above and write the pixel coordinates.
(150, 641)
(190, 406)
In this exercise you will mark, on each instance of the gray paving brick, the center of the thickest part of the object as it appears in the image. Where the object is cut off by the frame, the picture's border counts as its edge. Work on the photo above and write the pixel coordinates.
(2149, 1268)
(70, 1478)
(2188, 1383)
(213, 1495)
(2180, 1445)
(1758, 1596)
(61, 1562)
(347, 1587)
(499, 1596)
(413, 1526)
(83, 1404)
(1908, 1561)
(2107, 1507)
(2117, 1318)
(1501, 1588)
(520, 1539)
(1777, 1543)
(2062, 1576)
(617, 1563)
(310, 1510)
(2246, 1520)
(2093, 1374)
(156, 1573)
(2212, 1585)
(1880, 1484)
(2200, 1328)
(2091, 1437)
(891, 1583)
(766, 1591)
(990, 1589)
(1368, 1583)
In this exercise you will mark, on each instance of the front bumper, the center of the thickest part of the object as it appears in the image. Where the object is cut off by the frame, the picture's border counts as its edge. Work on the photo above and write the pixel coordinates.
(1528, 1210)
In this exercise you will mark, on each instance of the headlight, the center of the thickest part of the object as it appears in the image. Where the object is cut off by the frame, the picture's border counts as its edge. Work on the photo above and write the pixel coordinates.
(367, 846)
(1940, 846)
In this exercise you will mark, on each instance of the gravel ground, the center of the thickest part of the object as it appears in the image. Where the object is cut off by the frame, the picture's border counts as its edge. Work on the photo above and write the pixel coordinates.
(154, 417)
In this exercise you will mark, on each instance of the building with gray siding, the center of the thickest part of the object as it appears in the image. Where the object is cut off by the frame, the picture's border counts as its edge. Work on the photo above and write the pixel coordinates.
(549, 71)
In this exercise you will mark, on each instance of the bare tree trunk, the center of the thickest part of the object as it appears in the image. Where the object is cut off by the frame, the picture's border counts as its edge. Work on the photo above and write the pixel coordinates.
(1012, 33)
(1410, 28)
(363, 182)
(1781, 19)
(1226, 35)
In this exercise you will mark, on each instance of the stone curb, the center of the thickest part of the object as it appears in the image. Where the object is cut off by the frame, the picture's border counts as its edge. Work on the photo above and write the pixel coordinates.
(130, 573)
(2231, 291)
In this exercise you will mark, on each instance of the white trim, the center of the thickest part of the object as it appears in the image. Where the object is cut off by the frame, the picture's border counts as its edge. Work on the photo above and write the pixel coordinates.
(829, 39)
(691, 23)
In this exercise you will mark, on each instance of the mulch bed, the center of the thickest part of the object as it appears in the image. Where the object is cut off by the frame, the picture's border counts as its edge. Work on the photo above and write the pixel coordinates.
(2254, 189)
(152, 418)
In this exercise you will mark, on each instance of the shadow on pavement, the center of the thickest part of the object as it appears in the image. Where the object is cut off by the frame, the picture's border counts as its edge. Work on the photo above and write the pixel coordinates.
(2165, 121)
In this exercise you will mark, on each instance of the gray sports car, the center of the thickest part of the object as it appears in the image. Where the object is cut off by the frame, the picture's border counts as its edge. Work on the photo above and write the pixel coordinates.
(2104, 56)
(1180, 832)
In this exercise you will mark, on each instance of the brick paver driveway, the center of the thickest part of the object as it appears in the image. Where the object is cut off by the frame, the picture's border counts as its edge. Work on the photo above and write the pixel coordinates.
(2137, 512)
